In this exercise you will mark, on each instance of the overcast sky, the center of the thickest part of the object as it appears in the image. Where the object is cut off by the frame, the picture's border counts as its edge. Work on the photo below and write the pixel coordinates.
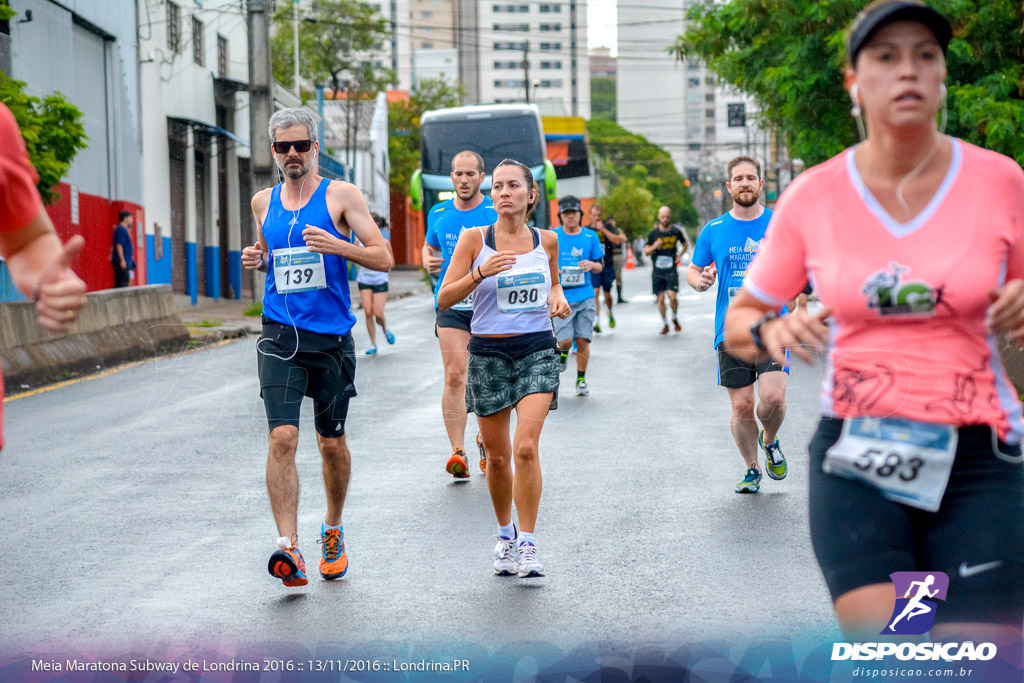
(602, 31)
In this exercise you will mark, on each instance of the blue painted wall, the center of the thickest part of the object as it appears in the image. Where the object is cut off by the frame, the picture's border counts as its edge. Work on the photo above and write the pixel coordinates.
(212, 274)
(191, 283)
(235, 272)
(158, 272)
(8, 292)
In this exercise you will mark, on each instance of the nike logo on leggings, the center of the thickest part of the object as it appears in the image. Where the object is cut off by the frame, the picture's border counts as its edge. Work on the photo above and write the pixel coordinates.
(966, 571)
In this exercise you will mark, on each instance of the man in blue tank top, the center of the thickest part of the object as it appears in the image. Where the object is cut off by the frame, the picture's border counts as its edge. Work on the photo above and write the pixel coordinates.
(579, 255)
(725, 248)
(306, 225)
(445, 223)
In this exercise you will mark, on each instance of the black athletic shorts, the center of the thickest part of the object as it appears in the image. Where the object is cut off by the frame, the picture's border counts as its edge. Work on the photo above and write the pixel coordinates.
(460, 320)
(376, 289)
(323, 369)
(603, 280)
(664, 280)
(734, 373)
(976, 537)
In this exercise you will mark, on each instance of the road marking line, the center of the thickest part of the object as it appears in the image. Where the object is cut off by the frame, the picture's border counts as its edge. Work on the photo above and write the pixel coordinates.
(111, 371)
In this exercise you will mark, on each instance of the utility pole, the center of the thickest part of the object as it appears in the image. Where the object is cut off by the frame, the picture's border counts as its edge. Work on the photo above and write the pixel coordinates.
(526, 69)
(261, 106)
(261, 102)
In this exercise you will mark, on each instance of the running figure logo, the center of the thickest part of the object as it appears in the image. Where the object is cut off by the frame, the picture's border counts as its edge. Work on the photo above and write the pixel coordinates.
(914, 614)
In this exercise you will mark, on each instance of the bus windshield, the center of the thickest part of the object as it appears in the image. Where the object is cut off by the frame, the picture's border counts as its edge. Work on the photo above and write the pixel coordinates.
(493, 138)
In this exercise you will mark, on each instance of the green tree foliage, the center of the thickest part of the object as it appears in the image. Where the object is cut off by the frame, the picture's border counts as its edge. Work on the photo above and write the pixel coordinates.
(789, 56)
(338, 44)
(621, 152)
(404, 124)
(602, 99)
(631, 203)
(53, 132)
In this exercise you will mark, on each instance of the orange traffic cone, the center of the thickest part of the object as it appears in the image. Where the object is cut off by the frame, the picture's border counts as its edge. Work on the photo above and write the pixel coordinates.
(630, 263)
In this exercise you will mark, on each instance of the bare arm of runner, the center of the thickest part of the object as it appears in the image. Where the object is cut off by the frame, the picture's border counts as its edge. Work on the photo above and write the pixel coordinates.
(652, 247)
(254, 257)
(459, 282)
(430, 262)
(556, 297)
(345, 201)
(797, 332)
(40, 267)
(701, 279)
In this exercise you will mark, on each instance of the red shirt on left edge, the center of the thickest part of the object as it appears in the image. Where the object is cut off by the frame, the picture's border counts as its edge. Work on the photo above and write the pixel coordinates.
(19, 198)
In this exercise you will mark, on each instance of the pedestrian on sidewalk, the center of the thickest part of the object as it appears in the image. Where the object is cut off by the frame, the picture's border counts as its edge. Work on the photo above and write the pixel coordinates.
(122, 253)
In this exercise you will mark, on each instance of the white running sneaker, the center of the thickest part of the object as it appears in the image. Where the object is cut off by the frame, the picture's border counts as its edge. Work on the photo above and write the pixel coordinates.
(581, 387)
(529, 565)
(505, 557)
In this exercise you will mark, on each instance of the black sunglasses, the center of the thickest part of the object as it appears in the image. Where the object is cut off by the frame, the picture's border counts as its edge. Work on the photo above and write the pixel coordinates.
(301, 146)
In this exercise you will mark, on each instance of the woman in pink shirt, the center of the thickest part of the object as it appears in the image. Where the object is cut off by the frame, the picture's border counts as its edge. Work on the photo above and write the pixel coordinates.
(915, 244)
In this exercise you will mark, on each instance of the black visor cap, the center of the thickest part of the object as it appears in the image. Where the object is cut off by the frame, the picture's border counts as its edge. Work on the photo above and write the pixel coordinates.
(866, 23)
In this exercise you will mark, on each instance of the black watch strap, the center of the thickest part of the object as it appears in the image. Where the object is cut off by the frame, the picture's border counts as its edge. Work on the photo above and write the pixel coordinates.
(755, 329)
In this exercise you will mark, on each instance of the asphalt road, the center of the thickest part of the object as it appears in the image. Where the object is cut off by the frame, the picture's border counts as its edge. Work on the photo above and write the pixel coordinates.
(134, 510)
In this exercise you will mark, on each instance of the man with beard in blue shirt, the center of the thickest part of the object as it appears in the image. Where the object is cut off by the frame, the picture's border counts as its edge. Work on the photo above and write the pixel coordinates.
(445, 223)
(725, 247)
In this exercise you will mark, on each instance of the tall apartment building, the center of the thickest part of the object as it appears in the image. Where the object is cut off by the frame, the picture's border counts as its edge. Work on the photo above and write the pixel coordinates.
(496, 37)
(679, 104)
(433, 40)
(431, 24)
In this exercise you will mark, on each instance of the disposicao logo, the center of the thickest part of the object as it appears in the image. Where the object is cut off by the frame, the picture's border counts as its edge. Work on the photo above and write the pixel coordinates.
(914, 614)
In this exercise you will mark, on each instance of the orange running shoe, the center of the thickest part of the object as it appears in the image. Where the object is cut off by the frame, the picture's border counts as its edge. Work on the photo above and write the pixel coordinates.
(675, 322)
(287, 564)
(664, 330)
(483, 454)
(458, 465)
(333, 560)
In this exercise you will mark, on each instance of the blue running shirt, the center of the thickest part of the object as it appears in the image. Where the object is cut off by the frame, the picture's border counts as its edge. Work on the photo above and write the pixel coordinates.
(585, 246)
(731, 245)
(327, 310)
(445, 224)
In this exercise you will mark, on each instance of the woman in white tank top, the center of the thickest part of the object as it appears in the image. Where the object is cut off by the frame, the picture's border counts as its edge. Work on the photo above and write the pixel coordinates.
(512, 272)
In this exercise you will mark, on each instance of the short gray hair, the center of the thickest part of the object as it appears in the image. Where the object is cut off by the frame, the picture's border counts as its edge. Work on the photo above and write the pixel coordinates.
(286, 118)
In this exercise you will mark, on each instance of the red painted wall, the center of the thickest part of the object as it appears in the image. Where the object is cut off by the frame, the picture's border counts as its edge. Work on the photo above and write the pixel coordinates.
(96, 219)
(407, 230)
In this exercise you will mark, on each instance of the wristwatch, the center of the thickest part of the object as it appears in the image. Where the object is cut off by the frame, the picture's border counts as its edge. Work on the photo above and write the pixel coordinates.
(755, 329)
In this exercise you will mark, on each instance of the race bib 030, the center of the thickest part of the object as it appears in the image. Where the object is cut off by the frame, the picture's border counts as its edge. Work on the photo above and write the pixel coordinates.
(522, 290)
